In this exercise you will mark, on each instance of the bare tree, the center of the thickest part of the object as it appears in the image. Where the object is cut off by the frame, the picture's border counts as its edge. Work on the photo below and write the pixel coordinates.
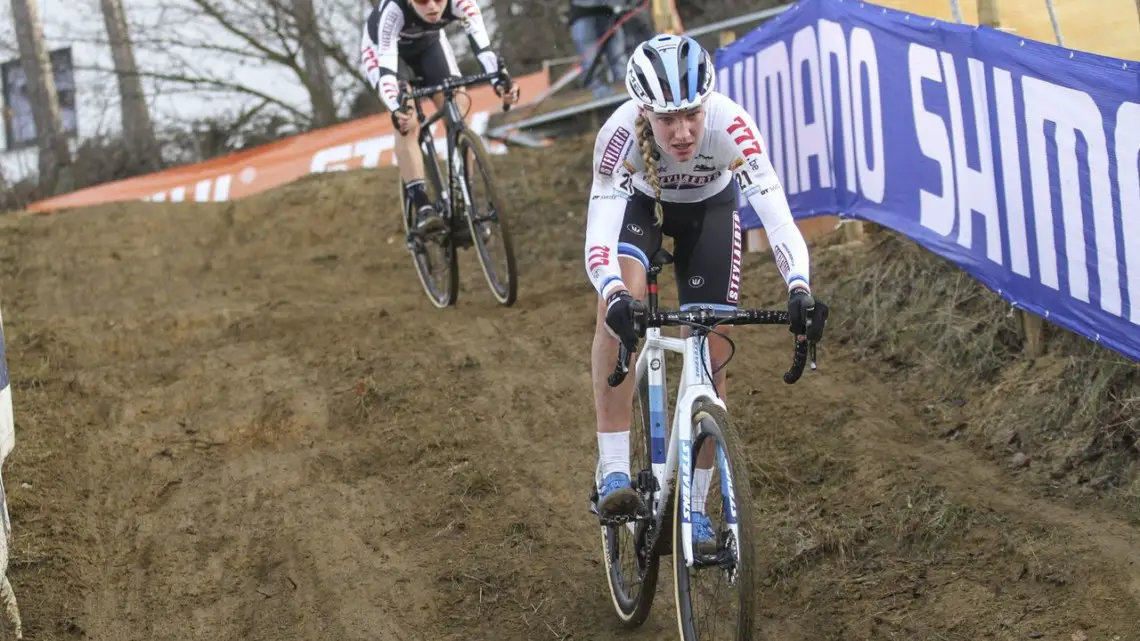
(316, 74)
(54, 155)
(138, 131)
(285, 35)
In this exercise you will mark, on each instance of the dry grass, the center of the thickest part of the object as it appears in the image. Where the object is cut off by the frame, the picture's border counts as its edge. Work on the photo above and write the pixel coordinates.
(1071, 415)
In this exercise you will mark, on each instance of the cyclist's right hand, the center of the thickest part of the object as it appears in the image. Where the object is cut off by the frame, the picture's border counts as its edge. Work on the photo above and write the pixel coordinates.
(623, 316)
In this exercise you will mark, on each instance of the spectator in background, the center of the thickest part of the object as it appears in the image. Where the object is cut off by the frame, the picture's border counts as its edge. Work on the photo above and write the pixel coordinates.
(589, 20)
(639, 27)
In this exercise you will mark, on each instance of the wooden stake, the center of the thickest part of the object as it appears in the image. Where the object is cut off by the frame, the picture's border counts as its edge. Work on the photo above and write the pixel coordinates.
(988, 13)
(665, 17)
(1032, 327)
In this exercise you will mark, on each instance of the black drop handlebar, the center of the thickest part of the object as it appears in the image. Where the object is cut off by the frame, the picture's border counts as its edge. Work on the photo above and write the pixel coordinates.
(710, 318)
(453, 83)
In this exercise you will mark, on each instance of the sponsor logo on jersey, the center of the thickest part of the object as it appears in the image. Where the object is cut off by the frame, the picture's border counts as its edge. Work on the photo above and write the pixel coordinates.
(743, 137)
(388, 30)
(734, 274)
(736, 164)
(688, 181)
(599, 256)
(613, 151)
(782, 264)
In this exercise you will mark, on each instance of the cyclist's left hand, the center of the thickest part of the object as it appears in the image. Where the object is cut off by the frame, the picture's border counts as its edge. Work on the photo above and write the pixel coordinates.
(806, 314)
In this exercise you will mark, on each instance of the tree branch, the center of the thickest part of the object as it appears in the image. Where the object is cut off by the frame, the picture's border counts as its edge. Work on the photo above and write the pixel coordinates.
(217, 84)
(213, 12)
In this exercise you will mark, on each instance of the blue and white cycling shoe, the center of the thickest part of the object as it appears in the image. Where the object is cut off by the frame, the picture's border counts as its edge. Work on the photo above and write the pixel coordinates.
(704, 538)
(617, 498)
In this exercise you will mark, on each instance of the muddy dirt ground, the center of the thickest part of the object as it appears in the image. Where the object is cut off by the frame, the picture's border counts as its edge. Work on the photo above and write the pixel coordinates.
(245, 421)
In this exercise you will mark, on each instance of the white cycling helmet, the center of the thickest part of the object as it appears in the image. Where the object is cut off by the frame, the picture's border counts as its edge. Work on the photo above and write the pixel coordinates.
(670, 73)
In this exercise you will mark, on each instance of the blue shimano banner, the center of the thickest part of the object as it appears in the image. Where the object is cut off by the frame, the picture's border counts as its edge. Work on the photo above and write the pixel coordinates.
(1017, 160)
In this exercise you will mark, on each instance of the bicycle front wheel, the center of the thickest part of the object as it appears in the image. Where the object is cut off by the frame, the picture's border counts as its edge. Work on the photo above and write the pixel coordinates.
(489, 231)
(726, 562)
(435, 257)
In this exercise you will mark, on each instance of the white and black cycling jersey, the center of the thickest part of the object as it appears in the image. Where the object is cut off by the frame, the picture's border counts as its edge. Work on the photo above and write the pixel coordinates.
(393, 26)
(730, 148)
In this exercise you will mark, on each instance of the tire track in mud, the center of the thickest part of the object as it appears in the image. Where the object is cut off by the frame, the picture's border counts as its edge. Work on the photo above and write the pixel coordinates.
(520, 549)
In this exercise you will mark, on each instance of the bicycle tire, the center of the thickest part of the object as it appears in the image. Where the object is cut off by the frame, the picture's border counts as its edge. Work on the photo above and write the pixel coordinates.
(446, 295)
(711, 420)
(506, 296)
(632, 612)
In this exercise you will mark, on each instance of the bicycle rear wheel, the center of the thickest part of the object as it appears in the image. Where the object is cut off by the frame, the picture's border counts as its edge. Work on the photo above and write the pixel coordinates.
(435, 257)
(486, 223)
(732, 563)
(631, 559)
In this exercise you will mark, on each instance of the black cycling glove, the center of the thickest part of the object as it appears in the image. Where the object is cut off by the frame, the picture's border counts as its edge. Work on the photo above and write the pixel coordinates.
(623, 318)
(806, 314)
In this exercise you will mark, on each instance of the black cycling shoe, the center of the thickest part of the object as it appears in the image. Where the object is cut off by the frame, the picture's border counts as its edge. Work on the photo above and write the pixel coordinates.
(428, 220)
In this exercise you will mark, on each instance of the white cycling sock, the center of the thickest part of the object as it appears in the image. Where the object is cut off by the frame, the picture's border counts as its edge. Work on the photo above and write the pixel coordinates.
(613, 452)
(701, 481)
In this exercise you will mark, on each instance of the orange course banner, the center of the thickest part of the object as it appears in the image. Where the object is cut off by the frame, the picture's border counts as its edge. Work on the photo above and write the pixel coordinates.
(365, 142)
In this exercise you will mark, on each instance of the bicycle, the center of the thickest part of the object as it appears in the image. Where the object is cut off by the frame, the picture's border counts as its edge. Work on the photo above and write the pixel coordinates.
(700, 415)
(463, 228)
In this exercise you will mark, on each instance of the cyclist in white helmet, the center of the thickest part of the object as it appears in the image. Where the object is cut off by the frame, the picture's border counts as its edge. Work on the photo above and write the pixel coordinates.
(664, 163)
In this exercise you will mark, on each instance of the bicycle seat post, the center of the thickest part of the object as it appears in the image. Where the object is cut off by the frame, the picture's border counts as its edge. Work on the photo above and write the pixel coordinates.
(659, 259)
(651, 286)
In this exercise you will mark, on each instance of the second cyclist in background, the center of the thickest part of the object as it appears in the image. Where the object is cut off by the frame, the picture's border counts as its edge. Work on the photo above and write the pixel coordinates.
(411, 31)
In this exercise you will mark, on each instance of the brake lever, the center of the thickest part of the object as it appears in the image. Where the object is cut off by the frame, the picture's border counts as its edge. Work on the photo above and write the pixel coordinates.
(505, 77)
(622, 368)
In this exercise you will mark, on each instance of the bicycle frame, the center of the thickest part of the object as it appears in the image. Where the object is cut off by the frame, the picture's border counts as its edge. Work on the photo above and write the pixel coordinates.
(694, 385)
(454, 124)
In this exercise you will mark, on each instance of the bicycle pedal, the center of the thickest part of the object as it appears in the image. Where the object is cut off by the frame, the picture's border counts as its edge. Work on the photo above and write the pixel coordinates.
(615, 521)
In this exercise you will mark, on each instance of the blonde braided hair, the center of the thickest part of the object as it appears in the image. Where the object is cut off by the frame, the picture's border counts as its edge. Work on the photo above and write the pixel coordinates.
(649, 156)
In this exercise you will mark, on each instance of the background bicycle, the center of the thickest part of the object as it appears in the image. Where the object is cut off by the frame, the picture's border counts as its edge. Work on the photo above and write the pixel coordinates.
(454, 186)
